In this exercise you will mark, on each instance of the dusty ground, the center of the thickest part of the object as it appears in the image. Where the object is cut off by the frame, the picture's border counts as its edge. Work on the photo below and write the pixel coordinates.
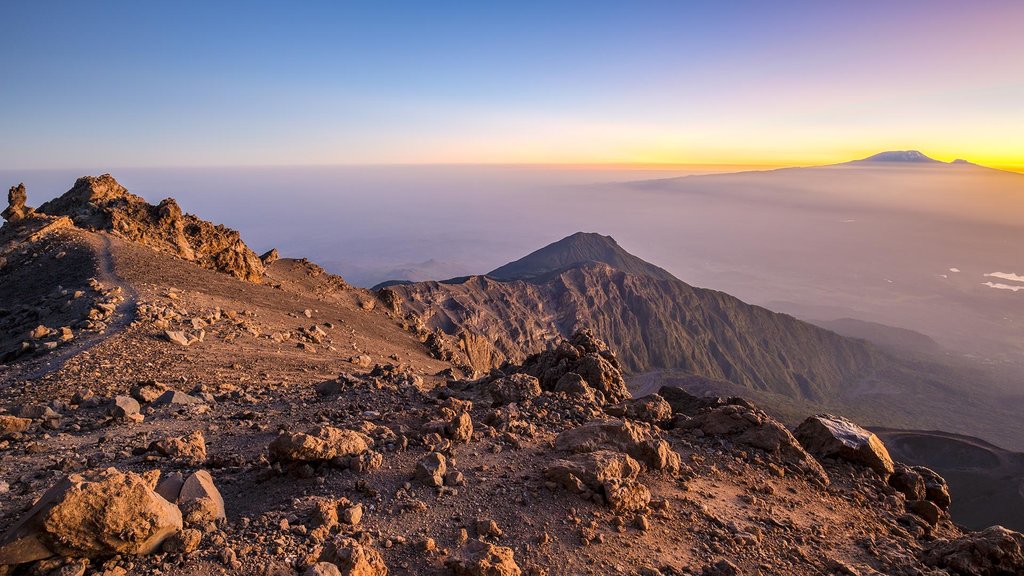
(729, 502)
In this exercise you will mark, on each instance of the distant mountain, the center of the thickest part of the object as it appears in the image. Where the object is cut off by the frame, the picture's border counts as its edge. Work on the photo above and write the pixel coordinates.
(890, 337)
(653, 320)
(580, 248)
(900, 156)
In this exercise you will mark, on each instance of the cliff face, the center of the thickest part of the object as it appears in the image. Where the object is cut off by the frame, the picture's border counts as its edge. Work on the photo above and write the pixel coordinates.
(653, 323)
(100, 203)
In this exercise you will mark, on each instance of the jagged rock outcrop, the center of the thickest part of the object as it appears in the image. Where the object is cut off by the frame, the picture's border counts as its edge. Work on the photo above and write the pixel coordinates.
(100, 203)
(652, 320)
(584, 356)
(16, 209)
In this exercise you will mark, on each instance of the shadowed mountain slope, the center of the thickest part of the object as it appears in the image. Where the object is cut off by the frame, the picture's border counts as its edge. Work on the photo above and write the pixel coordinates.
(652, 319)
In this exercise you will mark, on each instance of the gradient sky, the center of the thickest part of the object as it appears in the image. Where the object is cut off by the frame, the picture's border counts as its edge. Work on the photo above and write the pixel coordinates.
(117, 84)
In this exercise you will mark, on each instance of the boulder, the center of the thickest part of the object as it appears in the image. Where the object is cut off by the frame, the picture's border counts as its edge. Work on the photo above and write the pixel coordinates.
(460, 428)
(514, 388)
(682, 402)
(431, 468)
(200, 500)
(175, 398)
(993, 551)
(926, 510)
(147, 392)
(629, 437)
(752, 427)
(652, 408)
(592, 469)
(320, 444)
(13, 424)
(828, 436)
(123, 407)
(935, 488)
(190, 449)
(479, 558)
(908, 482)
(94, 514)
(353, 558)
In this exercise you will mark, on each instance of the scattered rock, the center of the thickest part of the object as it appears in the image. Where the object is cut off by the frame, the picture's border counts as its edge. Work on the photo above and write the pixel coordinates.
(175, 398)
(514, 388)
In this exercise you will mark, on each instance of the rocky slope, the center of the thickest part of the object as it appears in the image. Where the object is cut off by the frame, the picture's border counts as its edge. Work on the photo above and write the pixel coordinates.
(296, 427)
(100, 203)
(653, 321)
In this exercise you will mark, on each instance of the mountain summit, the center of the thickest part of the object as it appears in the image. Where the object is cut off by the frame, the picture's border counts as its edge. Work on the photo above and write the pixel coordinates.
(580, 248)
(901, 156)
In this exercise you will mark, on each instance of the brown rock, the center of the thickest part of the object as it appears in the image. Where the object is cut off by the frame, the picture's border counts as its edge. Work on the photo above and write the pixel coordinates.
(752, 427)
(925, 509)
(460, 428)
(993, 551)
(514, 388)
(190, 449)
(354, 559)
(431, 468)
(12, 424)
(92, 515)
(935, 487)
(199, 488)
(16, 209)
(630, 437)
(320, 444)
(185, 542)
(652, 408)
(322, 569)
(828, 436)
(478, 558)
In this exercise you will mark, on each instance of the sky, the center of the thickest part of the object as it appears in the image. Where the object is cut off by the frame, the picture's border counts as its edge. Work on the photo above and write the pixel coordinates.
(133, 84)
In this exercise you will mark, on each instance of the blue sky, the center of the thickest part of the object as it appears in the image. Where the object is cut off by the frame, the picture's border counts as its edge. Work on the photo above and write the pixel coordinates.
(247, 83)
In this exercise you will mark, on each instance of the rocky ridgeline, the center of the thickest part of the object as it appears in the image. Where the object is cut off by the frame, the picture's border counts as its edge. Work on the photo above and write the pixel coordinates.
(100, 203)
(564, 414)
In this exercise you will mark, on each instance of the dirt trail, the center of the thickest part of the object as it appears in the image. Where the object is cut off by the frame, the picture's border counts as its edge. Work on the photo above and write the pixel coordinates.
(123, 316)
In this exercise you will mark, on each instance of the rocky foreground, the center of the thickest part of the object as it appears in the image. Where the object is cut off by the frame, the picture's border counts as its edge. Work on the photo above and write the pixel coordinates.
(192, 421)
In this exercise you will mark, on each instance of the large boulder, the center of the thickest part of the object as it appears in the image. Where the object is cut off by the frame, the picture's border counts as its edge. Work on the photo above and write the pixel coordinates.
(320, 444)
(752, 427)
(94, 514)
(190, 449)
(828, 436)
(935, 488)
(633, 438)
(479, 558)
(995, 551)
(609, 474)
(13, 424)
